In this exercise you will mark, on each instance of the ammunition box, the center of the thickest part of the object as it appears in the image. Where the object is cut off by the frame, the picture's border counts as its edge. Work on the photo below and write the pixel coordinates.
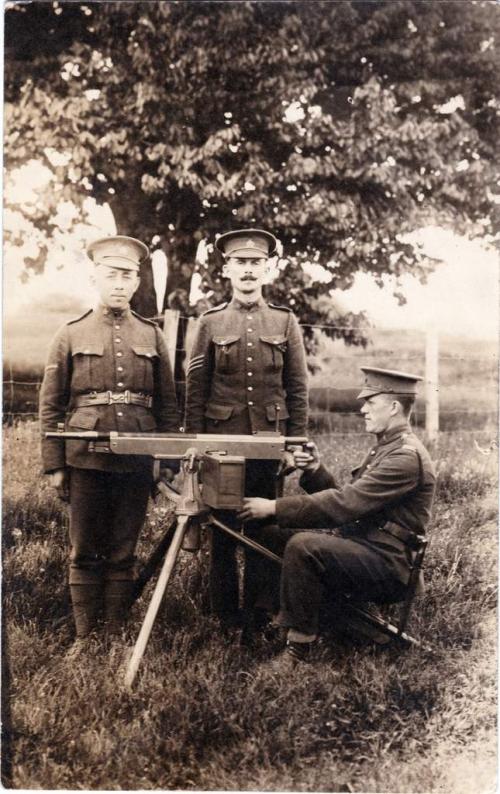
(223, 480)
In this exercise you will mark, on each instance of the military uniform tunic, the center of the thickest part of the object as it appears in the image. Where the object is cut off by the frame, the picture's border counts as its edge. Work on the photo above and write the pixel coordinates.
(100, 351)
(120, 352)
(247, 370)
(247, 373)
(390, 495)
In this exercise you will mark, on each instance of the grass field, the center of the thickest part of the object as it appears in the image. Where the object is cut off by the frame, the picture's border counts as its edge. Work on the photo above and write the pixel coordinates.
(205, 713)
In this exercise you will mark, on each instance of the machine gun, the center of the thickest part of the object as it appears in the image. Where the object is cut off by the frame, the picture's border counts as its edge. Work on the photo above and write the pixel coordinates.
(214, 478)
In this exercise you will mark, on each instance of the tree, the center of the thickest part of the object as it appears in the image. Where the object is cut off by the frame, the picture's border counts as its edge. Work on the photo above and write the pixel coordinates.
(339, 126)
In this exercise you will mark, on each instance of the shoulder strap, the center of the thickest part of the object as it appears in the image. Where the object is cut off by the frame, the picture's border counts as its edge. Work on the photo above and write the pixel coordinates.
(82, 316)
(215, 309)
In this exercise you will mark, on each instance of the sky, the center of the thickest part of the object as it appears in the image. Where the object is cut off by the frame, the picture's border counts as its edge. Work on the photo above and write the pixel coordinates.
(461, 296)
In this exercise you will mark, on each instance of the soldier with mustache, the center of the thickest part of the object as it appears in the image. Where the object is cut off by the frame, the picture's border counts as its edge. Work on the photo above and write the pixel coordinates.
(247, 373)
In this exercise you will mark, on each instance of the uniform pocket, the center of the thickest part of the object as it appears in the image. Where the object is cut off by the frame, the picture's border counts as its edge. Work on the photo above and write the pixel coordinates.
(271, 411)
(226, 353)
(88, 372)
(218, 412)
(273, 350)
(143, 367)
(83, 419)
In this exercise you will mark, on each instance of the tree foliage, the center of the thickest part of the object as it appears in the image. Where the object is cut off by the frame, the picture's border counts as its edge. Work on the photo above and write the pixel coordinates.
(338, 126)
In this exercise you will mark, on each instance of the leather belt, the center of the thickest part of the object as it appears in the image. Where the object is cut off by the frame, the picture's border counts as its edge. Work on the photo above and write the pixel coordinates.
(409, 538)
(111, 398)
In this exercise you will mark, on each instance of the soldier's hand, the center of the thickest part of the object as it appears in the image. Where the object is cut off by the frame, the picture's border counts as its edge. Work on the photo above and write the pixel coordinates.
(59, 480)
(287, 463)
(167, 473)
(256, 507)
(307, 458)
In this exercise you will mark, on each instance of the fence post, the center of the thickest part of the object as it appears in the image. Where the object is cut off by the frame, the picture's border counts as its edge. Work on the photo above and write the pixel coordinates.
(170, 330)
(432, 384)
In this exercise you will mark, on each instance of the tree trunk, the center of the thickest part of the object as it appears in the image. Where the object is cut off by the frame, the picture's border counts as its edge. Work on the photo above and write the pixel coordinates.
(128, 212)
(181, 263)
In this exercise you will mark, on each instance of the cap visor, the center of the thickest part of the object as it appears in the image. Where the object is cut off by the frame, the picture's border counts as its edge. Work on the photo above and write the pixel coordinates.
(247, 253)
(120, 264)
(364, 393)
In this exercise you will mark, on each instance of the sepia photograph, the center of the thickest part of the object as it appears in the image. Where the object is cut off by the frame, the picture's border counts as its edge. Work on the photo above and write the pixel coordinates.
(250, 395)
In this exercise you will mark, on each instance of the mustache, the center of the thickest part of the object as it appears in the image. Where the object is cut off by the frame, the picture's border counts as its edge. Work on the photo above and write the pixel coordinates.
(248, 278)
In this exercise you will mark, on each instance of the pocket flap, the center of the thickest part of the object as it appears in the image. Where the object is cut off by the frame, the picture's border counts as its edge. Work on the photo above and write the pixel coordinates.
(89, 349)
(225, 340)
(278, 339)
(271, 411)
(84, 418)
(145, 350)
(214, 411)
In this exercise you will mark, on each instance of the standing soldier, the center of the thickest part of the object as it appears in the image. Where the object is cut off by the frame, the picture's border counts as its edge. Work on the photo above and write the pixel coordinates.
(247, 373)
(107, 370)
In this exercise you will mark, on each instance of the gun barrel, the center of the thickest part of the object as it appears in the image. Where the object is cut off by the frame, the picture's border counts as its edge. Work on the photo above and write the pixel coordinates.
(172, 446)
(78, 435)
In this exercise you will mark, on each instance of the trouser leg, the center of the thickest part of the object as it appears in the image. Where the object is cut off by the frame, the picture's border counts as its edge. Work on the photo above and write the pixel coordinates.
(90, 522)
(89, 518)
(262, 579)
(315, 562)
(261, 576)
(129, 494)
(223, 574)
(107, 513)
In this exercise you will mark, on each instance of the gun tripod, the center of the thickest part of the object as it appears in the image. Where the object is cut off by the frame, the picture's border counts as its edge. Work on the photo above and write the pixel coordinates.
(190, 509)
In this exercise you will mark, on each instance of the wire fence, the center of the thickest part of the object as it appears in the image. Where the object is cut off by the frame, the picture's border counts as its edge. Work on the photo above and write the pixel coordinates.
(333, 409)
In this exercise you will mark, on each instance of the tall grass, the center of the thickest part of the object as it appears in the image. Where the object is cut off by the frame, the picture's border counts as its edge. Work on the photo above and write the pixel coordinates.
(208, 714)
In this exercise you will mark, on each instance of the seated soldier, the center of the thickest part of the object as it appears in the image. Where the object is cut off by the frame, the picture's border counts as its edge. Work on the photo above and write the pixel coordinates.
(388, 501)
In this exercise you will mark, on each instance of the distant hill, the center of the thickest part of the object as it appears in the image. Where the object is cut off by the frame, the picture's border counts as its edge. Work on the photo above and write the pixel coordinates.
(468, 369)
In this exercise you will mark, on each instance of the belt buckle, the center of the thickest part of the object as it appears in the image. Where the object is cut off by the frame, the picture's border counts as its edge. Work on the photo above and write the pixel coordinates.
(118, 398)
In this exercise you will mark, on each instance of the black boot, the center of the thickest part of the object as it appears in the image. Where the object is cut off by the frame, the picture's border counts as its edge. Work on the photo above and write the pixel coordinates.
(117, 602)
(86, 601)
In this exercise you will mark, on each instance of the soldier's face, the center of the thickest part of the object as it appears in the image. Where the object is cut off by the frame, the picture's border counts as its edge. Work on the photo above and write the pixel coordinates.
(378, 412)
(115, 286)
(246, 275)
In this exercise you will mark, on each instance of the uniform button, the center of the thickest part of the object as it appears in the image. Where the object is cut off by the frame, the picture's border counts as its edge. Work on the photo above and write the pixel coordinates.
(120, 384)
(120, 413)
(250, 402)
(118, 339)
(249, 358)
(249, 344)
(119, 369)
(372, 452)
(249, 317)
(119, 354)
(249, 374)
(117, 327)
(250, 330)
(250, 388)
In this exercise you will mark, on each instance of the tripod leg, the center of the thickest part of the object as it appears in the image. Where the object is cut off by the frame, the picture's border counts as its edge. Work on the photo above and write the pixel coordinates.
(153, 562)
(152, 611)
